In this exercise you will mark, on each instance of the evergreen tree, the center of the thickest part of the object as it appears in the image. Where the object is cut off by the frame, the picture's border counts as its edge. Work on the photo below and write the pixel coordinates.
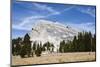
(34, 46)
(61, 48)
(52, 47)
(38, 51)
(75, 44)
(13, 47)
(23, 51)
(33, 49)
(41, 46)
(26, 46)
(46, 46)
(16, 43)
(94, 43)
(82, 43)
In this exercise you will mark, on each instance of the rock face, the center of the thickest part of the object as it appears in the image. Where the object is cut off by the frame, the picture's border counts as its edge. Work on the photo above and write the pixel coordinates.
(54, 32)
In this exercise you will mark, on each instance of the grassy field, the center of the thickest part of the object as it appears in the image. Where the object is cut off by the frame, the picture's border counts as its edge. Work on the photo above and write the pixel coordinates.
(55, 58)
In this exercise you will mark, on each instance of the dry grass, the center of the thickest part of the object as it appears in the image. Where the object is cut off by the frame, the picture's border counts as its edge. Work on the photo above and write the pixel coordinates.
(54, 58)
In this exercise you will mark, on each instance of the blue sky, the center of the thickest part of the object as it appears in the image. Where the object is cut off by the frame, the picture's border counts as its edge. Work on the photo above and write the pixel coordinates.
(24, 14)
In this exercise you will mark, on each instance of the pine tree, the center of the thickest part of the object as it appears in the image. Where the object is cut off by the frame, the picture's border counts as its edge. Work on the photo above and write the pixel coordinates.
(61, 48)
(38, 51)
(23, 51)
(34, 46)
(41, 46)
(33, 49)
(81, 43)
(52, 47)
(75, 44)
(26, 46)
(94, 43)
(44, 47)
(16, 46)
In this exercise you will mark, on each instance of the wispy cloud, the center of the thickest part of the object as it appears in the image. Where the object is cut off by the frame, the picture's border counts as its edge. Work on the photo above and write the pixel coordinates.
(26, 23)
(45, 8)
(20, 27)
(89, 26)
(30, 19)
(89, 11)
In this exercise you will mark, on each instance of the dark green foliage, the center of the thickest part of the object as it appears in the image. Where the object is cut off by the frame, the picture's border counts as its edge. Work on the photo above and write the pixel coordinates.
(62, 45)
(34, 46)
(43, 48)
(48, 47)
(33, 49)
(26, 49)
(40, 46)
(38, 51)
(52, 47)
(16, 43)
(26, 38)
(82, 43)
(94, 43)
(23, 51)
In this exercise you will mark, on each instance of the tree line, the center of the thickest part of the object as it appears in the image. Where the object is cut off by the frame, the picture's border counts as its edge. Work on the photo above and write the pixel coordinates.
(84, 42)
(25, 49)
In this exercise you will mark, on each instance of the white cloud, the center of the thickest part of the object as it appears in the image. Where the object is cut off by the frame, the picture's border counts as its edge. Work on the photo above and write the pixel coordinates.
(89, 11)
(26, 23)
(68, 8)
(29, 19)
(45, 8)
(20, 27)
(89, 26)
